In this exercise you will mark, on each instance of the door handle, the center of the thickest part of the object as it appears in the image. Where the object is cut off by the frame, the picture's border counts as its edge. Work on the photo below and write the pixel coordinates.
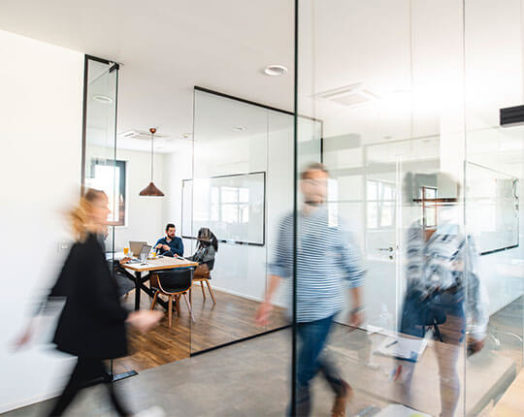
(390, 249)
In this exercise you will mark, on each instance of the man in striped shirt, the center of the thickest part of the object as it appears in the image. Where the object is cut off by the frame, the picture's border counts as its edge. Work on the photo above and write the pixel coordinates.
(328, 263)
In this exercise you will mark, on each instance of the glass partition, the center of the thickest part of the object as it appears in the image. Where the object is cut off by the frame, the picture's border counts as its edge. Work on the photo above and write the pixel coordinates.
(121, 166)
(420, 189)
(386, 213)
(240, 186)
(494, 170)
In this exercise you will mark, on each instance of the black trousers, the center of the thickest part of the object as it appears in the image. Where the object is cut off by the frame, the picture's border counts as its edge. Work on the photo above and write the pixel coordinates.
(85, 372)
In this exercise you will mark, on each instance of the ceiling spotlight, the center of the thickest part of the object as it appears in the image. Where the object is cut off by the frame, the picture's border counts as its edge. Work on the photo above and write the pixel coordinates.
(103, 99)
(275, 70)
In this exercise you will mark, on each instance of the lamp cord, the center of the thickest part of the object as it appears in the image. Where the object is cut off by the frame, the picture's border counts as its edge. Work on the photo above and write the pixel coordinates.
(152, 137)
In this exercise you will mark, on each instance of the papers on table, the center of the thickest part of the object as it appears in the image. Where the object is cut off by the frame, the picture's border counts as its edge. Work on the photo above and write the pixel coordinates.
(409, 349)
(397, 410)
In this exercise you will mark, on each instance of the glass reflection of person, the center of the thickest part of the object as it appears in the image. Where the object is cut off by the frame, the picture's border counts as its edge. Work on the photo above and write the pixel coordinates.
(328, 261)
(444, 293)
(92, 324)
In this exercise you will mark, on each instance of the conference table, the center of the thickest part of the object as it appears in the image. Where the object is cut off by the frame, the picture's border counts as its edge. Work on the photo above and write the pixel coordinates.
(149, 266)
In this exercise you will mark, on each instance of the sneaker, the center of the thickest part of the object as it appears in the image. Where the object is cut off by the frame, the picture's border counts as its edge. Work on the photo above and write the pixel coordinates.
(341, 401)
(151, 412)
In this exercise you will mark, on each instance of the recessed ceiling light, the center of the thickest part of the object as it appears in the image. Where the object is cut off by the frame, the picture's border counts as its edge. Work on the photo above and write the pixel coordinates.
(103, 99)
(275, 70)
(239, 128)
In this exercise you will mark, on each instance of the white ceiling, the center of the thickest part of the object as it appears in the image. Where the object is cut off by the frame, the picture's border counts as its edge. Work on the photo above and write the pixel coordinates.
(168, 46)
(409, 52)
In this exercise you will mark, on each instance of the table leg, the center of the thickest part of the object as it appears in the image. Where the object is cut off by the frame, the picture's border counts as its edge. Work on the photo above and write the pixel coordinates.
(138, 284)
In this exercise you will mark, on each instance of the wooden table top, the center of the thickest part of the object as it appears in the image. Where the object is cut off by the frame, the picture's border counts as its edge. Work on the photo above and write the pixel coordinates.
(159, 264)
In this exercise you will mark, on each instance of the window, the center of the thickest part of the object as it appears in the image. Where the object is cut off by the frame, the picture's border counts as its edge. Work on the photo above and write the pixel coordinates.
(230, 204)
(109, 176)
(380, 204)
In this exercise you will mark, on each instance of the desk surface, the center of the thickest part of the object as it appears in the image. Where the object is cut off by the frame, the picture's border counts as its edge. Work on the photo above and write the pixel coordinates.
(159, 264)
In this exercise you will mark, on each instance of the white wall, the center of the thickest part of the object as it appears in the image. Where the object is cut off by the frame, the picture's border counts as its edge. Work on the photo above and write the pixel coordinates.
(40, 137)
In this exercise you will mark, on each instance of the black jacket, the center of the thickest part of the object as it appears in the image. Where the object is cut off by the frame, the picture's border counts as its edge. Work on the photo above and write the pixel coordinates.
(92, 323)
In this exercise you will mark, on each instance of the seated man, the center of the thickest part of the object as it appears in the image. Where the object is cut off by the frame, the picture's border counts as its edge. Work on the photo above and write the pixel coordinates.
(170, 245)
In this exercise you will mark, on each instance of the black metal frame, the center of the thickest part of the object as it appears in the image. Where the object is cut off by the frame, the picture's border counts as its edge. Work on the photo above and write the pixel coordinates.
(244, 339)
(236, 242)
(88, 58)
(265, 106)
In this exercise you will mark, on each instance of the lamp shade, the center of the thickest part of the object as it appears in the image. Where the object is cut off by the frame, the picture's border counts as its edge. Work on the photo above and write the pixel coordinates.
(151, 191)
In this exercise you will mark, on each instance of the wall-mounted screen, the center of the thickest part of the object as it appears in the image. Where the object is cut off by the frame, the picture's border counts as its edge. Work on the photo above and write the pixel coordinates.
(492, 208)
(232, 206)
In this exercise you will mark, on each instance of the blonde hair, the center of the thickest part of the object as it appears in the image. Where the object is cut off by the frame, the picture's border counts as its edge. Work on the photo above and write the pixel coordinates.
(79, 215)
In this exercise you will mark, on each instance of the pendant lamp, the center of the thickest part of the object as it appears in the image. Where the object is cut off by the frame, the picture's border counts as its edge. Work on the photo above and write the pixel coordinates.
(151, 190)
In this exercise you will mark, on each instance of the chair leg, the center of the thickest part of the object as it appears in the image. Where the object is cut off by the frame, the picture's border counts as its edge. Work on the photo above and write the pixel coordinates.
(210, 291)
(203, 292)
(170, 310)
(189, 307)
(154, 300)
(177, 304)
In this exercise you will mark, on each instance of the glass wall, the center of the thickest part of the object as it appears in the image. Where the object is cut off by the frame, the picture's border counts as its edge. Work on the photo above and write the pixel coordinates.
(414, 217)
(494, 171)
(240, 188)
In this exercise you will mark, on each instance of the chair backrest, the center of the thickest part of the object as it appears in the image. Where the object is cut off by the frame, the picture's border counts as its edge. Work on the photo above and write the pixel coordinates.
(175, 280)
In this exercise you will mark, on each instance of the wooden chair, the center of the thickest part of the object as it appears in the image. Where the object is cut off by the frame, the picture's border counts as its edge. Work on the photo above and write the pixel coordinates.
(204, 278)
(174, 283)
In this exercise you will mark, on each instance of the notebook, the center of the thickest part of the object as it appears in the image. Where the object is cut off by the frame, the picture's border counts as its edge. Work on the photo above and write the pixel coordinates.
(409, 349)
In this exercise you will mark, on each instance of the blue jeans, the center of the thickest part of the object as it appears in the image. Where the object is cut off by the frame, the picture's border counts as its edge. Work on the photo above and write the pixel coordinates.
(312, 338)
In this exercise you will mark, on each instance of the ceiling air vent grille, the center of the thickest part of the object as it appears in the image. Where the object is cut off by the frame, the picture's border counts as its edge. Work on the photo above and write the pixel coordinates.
(351, 95)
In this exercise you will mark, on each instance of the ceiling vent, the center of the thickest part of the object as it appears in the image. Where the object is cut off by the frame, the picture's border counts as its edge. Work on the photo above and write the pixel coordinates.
(351, 95)
(139, 134)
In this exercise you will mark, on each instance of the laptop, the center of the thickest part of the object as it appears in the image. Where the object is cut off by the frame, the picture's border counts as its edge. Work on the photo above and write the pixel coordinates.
(144, 253)
(136, 247)
(142, 256)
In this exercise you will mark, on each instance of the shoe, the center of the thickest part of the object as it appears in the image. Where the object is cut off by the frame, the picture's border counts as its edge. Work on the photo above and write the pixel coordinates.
(151, 412)
(341, 401)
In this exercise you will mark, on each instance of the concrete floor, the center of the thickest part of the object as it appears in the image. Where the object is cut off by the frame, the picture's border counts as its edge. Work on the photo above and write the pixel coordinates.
(252, 378)
(245, 379)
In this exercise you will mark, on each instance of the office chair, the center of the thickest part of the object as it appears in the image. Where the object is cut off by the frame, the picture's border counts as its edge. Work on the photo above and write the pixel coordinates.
(174, 283)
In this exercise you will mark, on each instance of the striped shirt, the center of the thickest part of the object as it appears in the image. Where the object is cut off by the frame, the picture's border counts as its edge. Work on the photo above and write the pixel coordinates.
(449, 258)
(328, 262)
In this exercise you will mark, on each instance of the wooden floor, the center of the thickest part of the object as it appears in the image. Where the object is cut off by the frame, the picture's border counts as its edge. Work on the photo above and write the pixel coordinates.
(232, 318)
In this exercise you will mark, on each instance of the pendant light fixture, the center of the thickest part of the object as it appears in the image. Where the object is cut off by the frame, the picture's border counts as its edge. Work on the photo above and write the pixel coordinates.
(151, 190)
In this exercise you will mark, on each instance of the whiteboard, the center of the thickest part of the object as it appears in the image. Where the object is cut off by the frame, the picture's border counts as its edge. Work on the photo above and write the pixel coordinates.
(492, 208)
(232, 206)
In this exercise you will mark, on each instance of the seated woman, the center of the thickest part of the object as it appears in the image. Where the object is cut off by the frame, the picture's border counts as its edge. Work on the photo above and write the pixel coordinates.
(205, 253)
(205, 256)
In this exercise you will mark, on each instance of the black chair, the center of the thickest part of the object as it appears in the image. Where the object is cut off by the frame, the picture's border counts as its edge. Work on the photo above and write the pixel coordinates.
(174, 283)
